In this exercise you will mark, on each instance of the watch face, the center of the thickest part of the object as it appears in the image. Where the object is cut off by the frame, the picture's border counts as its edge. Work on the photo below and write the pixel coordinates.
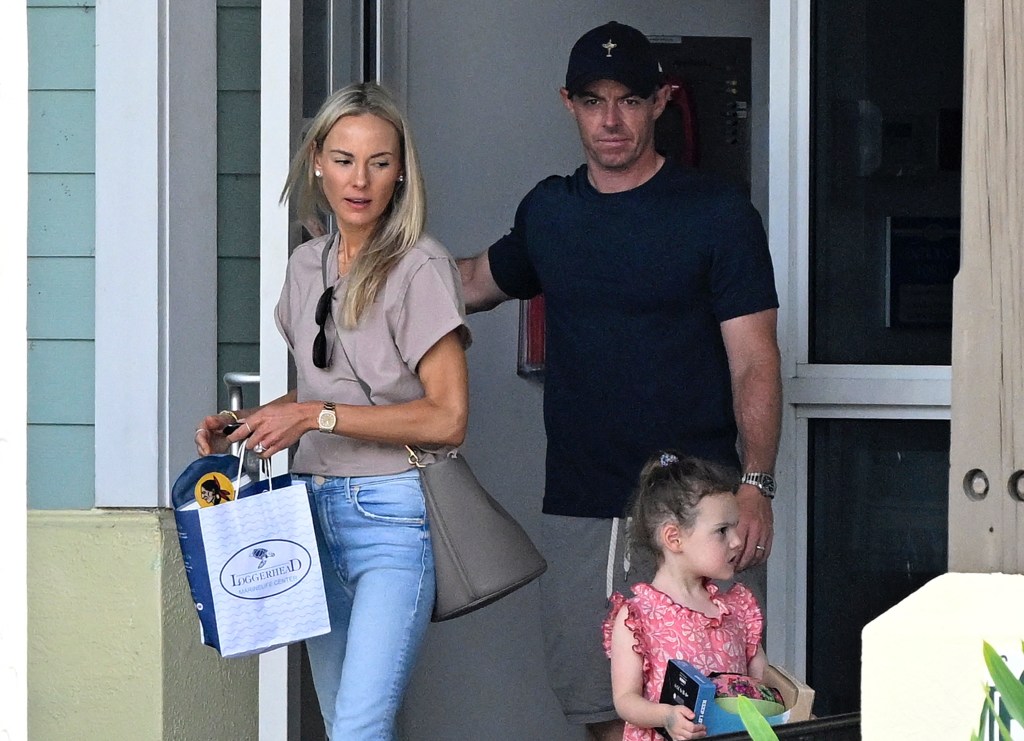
(327, 420)
(763, 481)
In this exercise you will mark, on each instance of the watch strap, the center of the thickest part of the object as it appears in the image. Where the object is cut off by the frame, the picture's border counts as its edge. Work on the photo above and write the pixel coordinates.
(763, 481)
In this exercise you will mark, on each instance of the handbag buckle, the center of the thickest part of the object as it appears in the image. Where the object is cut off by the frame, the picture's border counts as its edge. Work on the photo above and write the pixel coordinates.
(414, 459)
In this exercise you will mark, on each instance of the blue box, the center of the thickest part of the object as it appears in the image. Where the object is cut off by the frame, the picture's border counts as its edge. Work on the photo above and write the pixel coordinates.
(686, 685)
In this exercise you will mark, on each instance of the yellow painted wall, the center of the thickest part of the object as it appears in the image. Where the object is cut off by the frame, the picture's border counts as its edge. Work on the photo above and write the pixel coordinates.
(113, 644)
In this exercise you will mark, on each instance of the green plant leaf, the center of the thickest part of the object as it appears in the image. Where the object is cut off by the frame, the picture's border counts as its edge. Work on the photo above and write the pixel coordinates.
(1004, 732)
(1010, 688)
(984, 714)
(758, 728)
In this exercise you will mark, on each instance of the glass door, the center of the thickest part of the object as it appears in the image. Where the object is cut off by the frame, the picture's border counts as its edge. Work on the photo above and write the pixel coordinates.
(871, 391)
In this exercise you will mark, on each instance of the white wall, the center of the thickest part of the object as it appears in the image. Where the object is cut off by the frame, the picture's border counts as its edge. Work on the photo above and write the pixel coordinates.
(13, 338)
(480, 82)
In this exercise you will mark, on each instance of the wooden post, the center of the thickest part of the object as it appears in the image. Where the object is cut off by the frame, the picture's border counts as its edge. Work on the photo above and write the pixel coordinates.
(986, 527)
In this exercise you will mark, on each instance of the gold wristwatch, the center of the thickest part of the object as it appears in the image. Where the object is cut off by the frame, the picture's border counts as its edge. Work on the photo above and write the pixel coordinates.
(327, 419)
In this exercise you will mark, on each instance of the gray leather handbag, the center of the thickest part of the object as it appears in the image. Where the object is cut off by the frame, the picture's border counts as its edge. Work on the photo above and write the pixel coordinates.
(481, 553)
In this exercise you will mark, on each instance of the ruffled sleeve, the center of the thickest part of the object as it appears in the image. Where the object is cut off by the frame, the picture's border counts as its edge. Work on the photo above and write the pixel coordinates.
(632, 622)
(617, 602)
(744, 604)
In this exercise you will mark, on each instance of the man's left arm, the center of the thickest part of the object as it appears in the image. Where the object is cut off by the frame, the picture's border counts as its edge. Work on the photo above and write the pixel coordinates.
(753, 351)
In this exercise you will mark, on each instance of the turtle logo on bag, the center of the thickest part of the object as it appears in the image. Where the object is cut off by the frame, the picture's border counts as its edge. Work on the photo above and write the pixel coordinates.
(282, 564)
(262, 554)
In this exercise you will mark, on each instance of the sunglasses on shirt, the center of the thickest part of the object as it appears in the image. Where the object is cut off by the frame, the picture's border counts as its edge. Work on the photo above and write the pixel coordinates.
(323, 309)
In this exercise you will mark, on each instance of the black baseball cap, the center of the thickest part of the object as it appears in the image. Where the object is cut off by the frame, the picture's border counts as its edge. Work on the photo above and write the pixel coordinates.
(617, 52)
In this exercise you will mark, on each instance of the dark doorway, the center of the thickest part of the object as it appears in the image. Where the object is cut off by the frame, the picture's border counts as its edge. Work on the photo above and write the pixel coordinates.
(887, 89)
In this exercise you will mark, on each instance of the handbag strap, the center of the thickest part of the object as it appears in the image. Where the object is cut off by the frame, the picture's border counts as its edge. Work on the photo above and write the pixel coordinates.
(414, 457)
(323, 259)
(362, 384)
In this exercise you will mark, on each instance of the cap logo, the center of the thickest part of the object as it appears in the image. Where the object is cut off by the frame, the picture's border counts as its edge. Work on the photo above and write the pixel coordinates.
(609, 45)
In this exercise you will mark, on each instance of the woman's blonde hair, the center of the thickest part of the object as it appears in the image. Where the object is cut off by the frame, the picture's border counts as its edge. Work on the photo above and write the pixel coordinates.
(402, 222)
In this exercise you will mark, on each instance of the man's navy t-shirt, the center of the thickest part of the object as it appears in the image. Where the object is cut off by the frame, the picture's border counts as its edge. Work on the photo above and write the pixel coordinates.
(635, 286)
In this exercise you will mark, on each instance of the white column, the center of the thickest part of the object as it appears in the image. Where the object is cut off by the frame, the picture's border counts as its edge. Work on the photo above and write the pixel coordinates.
(789, 165)
(156, 227)
(280, 40)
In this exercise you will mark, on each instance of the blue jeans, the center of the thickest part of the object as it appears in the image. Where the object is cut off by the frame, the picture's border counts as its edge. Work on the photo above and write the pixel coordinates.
(379, 577)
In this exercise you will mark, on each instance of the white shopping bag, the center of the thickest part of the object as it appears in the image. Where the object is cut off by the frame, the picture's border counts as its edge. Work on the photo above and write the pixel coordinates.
(251, 558)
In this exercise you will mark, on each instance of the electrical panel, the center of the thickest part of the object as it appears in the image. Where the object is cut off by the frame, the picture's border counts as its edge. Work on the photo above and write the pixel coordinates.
(706, 124)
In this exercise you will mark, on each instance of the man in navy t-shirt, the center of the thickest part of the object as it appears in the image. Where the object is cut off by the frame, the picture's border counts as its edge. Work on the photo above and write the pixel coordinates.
(660, 334)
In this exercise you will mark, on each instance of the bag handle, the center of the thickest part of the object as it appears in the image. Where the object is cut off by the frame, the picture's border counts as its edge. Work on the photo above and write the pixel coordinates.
(265, 469)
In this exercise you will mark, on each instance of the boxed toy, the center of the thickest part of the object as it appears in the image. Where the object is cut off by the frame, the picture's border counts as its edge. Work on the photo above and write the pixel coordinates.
(780, 697)
(686, 685)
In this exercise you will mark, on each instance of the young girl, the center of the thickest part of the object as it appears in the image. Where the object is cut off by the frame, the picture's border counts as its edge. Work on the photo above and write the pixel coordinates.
(684, 512)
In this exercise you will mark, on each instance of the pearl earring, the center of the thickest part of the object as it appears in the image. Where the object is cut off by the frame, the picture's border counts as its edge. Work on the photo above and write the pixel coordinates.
(401, 178)
(318, 173)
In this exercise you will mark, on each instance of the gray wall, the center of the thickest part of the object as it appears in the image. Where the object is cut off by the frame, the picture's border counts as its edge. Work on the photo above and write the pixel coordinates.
(480, 82)
(238, 192)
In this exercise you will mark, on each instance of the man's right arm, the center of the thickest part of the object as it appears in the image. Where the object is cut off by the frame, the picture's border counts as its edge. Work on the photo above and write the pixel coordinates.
(478, 287)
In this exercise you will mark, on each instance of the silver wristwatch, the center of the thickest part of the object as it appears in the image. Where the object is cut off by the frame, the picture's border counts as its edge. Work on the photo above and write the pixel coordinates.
(763, 481)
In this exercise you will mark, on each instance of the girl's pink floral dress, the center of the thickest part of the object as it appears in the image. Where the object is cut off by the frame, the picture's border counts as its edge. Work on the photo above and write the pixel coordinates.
(665, 630)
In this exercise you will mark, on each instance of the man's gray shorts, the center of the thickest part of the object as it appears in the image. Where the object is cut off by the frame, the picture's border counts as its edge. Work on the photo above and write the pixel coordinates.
(587, 561)
(583, 554)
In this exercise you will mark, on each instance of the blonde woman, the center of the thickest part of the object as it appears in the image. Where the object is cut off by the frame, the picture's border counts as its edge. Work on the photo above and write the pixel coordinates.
(373, 316)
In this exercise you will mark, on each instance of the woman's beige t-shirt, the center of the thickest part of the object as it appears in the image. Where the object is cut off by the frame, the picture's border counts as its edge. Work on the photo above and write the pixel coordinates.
(419, 304)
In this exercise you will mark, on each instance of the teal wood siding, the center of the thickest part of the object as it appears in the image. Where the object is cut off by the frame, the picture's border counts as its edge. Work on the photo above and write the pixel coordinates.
(61, 247)
(238, 191)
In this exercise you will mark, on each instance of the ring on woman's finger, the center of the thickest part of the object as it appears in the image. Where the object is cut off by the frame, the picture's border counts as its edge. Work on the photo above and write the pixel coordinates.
(247, 427)
(759, 547)
(258, 449)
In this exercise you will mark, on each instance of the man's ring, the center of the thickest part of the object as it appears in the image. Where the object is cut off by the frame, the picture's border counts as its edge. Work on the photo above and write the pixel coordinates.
(759, 547)
(258, 449)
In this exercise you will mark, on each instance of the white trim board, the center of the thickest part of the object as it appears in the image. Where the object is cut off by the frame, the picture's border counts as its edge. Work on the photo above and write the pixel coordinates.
(156, 225)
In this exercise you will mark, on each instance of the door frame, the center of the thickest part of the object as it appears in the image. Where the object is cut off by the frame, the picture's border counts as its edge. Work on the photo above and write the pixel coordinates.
(280, 28)
(810, 390)
(280, 123)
